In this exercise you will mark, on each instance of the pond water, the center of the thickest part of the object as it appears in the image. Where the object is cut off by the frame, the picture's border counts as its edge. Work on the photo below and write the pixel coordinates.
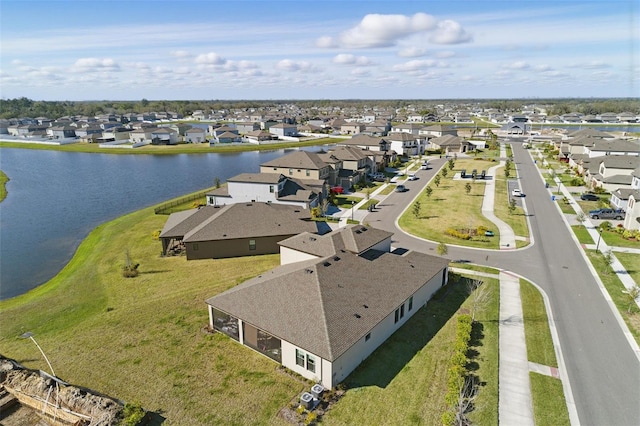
(56, 198)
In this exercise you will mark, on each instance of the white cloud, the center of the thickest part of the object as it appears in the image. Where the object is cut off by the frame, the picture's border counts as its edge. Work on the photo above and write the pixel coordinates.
(290, 65)
(412, 52)
(377, 30)
(445, 54)
(542, 67)
(181, 55)
(450, 32)
(326, 42)
(519, 65)
(349, 59)
(95, 64)
(593, 65)
(360, 72)
(210, 58)
(419, 65)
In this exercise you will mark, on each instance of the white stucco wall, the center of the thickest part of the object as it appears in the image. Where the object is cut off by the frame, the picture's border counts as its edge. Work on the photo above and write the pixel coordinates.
(247, 192)
(289, 361)
(288, 256)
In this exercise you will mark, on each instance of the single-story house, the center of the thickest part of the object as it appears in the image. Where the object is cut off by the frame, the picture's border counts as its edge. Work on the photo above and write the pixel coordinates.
(334, 300)
(451, 144)
(247, 229)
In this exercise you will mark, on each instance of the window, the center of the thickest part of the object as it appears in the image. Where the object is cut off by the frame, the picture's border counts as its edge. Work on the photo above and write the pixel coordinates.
(402, 311)
(271, 189)
(299, 358)
(397, 315)
(252, 244)
(290, 171)
(308, 172)
(411, 303)
(212, 200)
(311, 363)
(367, 337)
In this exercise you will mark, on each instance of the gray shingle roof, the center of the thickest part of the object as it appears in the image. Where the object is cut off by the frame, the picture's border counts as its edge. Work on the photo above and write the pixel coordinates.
(354, 238)
(297, 160)
(313, 304)
(267, 178)
(621, 161)
(246, 220)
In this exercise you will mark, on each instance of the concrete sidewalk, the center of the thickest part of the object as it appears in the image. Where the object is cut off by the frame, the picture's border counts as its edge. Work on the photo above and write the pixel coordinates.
(514, 403)
(355, 212)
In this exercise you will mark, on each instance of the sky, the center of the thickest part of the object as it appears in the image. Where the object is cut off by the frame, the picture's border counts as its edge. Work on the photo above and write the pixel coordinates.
(322, 49)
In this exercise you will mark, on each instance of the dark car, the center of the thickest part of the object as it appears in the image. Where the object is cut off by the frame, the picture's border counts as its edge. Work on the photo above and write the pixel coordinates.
(589, 197)
(400, 188)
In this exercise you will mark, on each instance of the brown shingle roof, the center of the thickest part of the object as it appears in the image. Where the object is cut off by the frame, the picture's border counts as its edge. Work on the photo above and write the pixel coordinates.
(354, 238)
(313, 304)
(298, 160)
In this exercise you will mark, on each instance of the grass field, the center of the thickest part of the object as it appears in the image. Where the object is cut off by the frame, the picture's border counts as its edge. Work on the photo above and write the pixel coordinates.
(404, 382)
(516, 220)
(449, 206)
(631, 263)
(582, 234)
(182, 148)
(615, 289)
(536, 326)
(549, 406)
(3, 185)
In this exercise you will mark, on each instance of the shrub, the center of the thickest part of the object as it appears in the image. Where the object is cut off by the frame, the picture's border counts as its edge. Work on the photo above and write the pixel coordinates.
(133, 414)
(311, 418)
(482, 229)
(130, 269)
(627, 234)
(458, 234)
(606, 225)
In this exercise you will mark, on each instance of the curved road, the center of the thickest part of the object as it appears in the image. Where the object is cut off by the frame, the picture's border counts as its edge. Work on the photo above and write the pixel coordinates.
(603, 369)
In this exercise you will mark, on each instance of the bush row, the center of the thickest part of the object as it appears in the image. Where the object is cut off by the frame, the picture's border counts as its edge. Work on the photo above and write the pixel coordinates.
(458, 234)
(457, 368)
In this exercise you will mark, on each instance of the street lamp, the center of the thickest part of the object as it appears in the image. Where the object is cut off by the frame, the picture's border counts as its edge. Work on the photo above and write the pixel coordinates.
(353, 205)
(599, 236)
(29, 335)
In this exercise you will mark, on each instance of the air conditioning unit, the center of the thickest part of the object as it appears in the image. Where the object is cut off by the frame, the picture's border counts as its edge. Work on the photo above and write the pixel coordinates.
(316, 390)
(306, 400)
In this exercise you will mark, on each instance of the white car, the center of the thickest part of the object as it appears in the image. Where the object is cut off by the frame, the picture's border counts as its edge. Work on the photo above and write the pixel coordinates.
(413, 177)
(516, 193)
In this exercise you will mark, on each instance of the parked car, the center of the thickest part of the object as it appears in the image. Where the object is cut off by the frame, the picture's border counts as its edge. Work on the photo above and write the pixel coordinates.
(516, 193)
(400, 188)
(337, 190)
(589, 197)
(617, 214)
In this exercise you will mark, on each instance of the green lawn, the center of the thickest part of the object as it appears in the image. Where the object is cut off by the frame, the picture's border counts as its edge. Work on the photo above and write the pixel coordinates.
(168, 149)
(449, 206)
(549, 406)
(582, 234)
(631, 263)
(404, 381)
(516, 220)
(3, 185)
(536, 326)
(614, 239)
(615, 289)
(477, 268)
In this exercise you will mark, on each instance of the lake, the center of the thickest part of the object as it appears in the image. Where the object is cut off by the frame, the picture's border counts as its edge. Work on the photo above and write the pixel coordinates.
(56, 198)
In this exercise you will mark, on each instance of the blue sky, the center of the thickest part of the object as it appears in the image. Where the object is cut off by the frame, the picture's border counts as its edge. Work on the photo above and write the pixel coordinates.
(117, 50)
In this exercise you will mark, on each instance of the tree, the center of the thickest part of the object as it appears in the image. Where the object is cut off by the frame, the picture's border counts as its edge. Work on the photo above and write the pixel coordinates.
(480, 297)
(416, 209)
(451, 164)
(632, 295)
(512, 206)
(428, 190)
(130, 269)
(607, 256)
(467, 188)
(581, 218)
(216, 182)
(436, 180)
(442, 249)
(507, 173)
(444, 172)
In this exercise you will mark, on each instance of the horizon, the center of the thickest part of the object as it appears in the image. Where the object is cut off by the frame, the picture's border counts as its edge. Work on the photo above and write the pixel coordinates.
(303, 50)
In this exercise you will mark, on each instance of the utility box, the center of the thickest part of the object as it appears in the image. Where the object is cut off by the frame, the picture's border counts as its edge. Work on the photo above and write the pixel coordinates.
(306, 400)
(316, 390)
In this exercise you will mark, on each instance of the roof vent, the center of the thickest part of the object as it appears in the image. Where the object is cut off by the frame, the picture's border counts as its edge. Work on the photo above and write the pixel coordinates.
(336, 258)
(312, 238)
(357, 315)
(224, 235)
(308, 271)
(365, 306)
(364, 229)
(327, 264)
(358, 231)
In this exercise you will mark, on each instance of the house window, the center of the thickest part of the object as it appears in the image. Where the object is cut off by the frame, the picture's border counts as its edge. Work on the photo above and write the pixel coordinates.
(397, 315)
(311, 363)
(252, 244)
(308, 172)
(411, 303)
(211, 200)
(290, 171)
(367, 337)
(402, 311)
(299, 358)
(271, 189)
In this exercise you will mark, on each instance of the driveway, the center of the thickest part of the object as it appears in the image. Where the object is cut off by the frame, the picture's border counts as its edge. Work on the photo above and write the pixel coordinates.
(603, 369)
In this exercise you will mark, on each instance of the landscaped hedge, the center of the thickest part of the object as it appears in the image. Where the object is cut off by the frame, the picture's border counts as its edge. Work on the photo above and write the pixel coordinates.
(457, 368)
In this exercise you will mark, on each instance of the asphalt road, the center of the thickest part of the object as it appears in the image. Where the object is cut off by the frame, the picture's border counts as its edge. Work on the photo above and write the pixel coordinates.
(602, 367)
